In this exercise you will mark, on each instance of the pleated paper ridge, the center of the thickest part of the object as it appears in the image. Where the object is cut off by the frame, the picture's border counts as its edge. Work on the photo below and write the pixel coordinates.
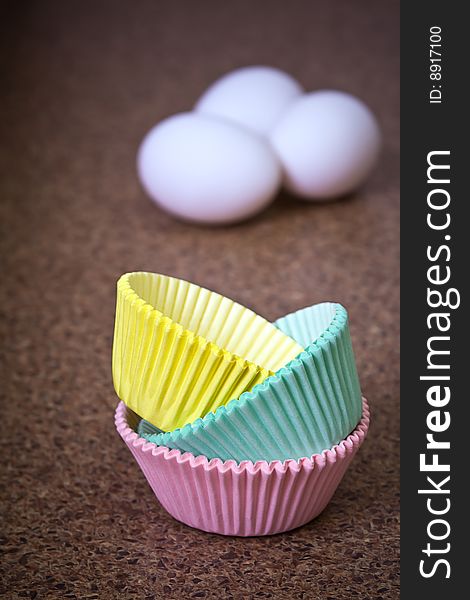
(241, 499)
(146, 428)
(180, 351)
(310, 404)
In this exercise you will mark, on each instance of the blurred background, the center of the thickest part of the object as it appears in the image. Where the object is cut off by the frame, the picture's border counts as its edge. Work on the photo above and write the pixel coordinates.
(82, 83)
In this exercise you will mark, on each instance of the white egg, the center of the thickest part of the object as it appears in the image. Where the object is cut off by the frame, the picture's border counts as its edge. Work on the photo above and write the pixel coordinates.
(328, 142)
(207, 170)
(252, 96)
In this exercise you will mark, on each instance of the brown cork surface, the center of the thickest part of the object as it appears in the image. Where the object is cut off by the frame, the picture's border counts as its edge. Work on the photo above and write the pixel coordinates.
(82, 83)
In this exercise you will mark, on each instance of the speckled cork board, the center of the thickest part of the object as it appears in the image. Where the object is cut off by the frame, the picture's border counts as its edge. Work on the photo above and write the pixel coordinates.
(84, 81)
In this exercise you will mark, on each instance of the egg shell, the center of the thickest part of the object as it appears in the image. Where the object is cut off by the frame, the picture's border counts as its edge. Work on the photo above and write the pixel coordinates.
(208, 170)
(328, 142)
(254, 97)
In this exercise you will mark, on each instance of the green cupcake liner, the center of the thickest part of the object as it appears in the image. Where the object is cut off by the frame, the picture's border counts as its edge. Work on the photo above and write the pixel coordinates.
(307, 406)
(145, 428)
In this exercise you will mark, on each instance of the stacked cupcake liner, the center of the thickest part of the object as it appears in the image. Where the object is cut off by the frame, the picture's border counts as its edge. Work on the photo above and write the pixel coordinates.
(307, 406)
(178, 349)
(245, 499)
(241, 426)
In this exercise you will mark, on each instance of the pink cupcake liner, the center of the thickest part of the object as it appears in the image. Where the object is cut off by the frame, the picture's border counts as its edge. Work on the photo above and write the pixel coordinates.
(244, 499)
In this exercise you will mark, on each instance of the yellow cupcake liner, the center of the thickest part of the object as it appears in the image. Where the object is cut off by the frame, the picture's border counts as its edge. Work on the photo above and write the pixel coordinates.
(180, 351)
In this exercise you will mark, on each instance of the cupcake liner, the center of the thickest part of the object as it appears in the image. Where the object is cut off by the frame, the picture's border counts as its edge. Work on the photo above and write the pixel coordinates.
(180, 351)
(145, 428)
(307, 406)
(243, 499)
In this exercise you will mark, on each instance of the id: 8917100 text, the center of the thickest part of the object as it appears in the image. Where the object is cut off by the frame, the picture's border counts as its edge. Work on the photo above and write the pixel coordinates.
(435, 67)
